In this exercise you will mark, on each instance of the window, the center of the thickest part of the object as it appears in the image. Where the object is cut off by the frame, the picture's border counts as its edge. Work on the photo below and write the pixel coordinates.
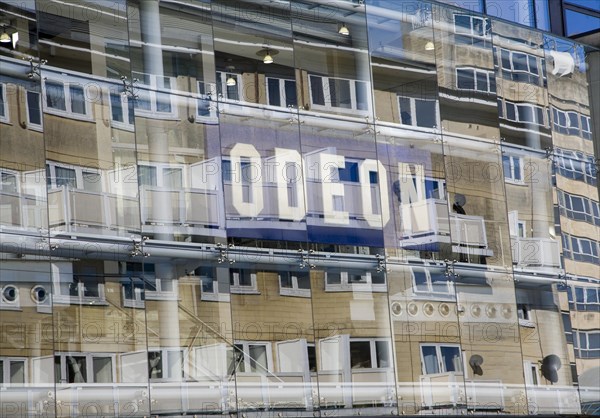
(418, 112)
(281, 92)
(73, 177)
(34, 110)
(121, 111)
(567, 122)
(579, 208)
(3, 104)
(587, 299)
(82, 289)
(166, 176)
(294, 284)
(166, 364)
(9, 182)
(370, 354)
(13, 370)
(525, 316)
(513, 168)
(83, 368)
(474, 26)
(232, 92)
(476, 80)
(342, 94)
(519, 66)
(66, 99)
(531, 373)
(209, 285)
(587, 344)
(431, 283)
(153, 96)
(525, 113)
(438, 358)
(160, 288)
(252, 357)
(133, 292)
(586, 130)
(9, 297)
(243, 281)
(580, 249)
(344, 281)
(576, 166)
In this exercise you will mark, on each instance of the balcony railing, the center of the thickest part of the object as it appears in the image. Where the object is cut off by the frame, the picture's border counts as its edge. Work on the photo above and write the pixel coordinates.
(536, 252)
(22, 211)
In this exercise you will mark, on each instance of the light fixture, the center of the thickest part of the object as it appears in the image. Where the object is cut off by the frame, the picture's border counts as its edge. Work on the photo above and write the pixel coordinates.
(267, 55)
(344, 30)
(5, 37)
(429, 46)
(231, 80)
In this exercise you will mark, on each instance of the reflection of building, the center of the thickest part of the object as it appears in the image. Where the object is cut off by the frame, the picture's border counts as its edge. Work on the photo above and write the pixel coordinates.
(402, 219)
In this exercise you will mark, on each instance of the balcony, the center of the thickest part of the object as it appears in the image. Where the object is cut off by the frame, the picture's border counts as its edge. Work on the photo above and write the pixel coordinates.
(451, 390)
(427, 222)
(22, 211)
(535, 253)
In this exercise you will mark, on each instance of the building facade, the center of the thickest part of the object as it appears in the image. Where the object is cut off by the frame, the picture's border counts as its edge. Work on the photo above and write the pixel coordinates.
(299, 208)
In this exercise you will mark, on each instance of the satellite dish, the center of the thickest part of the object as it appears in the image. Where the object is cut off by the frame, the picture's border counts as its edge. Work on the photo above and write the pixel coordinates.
(475, 362)
(550, 366)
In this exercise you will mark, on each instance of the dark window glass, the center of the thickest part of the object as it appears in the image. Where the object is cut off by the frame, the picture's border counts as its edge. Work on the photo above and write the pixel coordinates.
(316, 90)
(426, 113)
(405, 114)
(360, 355)
(116, 107)
(482, 83)
(273, 91)
(349, 172)
(361, 96)
(33, 106)
(290, 93)
(55, 96)
(339, 91)
(465, 79)
(77, 99)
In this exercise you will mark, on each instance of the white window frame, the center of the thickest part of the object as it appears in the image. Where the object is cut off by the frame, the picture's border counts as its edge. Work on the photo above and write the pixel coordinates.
(511, 178)
(222, 81)
(592, 245)
(34, 126)
(487, 32)
(327, 95)
(373, 352)
(80, 172)
(153, 93)
(159, 293)
(413, 112)
(246, 352)
(5, 304)
(89, 365)
(6, 370)
(13, 173)
(438, 354)
(525, 315)
(531, 370)
(215, 295)
(490, 75)
(160, 173)
(209, 96)
(585, 296)
(586, 333)
(80, 299)
(294, 290)
(68, 111)
(282, 95)
(512, 65)
(430, 293)
(517, 113)
(346, 286)
(124, 125)
(138, 300)
(4, 104)
(236, 287)
(586, 133)
(164, 353)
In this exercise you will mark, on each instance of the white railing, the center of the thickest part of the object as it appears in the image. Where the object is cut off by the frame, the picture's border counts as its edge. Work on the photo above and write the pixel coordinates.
(190, 207)
(22, 211)
(536, 252)
(468, 230)
(551, 400)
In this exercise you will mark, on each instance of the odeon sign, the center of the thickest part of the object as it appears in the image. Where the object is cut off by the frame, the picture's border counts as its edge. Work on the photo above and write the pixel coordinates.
(315, 173)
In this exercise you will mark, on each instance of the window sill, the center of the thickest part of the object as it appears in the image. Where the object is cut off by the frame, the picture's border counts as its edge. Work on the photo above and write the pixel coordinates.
(515, 182)
(356, 287)
(526, 323)
(74, 300)
(134, 304)
(299, 293)
(244, 290)
(69, 115)
(215, 297)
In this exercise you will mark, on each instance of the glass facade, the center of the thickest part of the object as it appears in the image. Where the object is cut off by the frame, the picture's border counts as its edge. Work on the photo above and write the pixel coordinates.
(294, 208)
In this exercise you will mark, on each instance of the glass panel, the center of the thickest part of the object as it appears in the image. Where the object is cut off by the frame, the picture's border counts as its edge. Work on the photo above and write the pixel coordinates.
(577, 23)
